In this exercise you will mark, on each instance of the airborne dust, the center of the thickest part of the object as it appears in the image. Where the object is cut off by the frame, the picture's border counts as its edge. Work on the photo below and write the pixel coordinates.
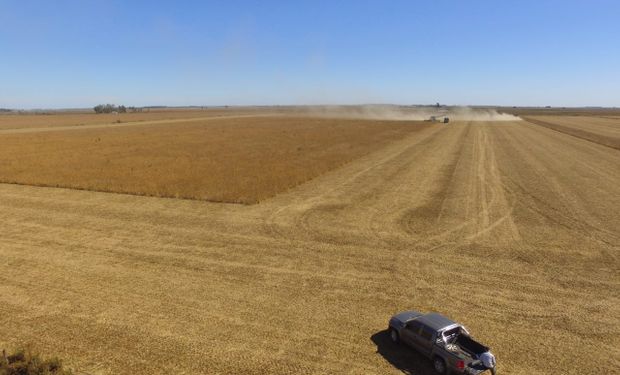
(403, 113)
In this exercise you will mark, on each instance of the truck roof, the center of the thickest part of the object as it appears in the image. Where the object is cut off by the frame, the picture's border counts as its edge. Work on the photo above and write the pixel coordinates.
(436, 321)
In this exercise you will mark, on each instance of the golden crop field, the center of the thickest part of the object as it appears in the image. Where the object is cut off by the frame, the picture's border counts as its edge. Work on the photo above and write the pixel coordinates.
(237, 160)
(511, 228)
(66, 119)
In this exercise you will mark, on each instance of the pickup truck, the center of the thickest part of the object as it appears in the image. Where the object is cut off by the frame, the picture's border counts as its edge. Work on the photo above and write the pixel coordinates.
(447, 343)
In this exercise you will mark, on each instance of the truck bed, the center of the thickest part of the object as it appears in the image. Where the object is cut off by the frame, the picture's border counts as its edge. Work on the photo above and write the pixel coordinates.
(470, 346)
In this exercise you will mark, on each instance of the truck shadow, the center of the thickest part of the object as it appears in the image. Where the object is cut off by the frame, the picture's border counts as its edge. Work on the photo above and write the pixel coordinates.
(401, 357)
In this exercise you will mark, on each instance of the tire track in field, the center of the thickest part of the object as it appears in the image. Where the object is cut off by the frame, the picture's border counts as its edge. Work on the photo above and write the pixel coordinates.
(519, 237)
(444, 221)
(493, 192)
(321, 209)
(560, 200)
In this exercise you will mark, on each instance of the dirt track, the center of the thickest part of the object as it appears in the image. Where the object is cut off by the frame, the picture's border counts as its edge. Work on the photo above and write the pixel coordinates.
(510, 228)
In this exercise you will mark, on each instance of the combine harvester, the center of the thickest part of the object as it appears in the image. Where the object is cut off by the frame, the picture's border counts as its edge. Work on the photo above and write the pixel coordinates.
(445, 119)
(441, 114)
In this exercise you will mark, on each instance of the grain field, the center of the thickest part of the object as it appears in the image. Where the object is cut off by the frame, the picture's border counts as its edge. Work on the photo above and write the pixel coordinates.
(235, 159)
(63, 119)
(602, 130)
(510, 228)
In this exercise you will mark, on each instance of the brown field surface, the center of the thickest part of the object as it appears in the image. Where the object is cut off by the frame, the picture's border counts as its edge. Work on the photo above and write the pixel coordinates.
(236, 160)
(590, 112)
(510, 228)
(603, 130)
(69, 119)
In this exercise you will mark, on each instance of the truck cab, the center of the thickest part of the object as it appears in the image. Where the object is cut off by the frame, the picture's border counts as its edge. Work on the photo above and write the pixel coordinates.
(447, 343)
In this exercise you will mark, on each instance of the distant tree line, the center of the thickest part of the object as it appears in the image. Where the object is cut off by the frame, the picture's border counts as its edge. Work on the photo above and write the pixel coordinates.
(111, 108)
(5, 110)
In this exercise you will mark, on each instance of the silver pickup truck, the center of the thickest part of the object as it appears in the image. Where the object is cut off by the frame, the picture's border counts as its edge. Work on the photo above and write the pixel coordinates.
(446, 343)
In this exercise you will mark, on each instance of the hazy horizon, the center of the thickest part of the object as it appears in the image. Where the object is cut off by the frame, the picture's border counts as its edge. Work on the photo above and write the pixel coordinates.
(413, 105)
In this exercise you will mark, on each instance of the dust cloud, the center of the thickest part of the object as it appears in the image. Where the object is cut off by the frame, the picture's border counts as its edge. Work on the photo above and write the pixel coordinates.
(403, 113)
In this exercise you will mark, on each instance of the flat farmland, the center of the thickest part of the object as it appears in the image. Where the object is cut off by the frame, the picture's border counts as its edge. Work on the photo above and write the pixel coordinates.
(70, 119)
(236, 160)
(511, 228)
(603, 130)
(555, 111)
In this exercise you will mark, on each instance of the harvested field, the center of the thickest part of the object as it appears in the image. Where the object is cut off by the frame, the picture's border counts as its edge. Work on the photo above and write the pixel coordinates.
(538, 111)
(236, 160)
(69, 119)
(510, 228)
(602, 130)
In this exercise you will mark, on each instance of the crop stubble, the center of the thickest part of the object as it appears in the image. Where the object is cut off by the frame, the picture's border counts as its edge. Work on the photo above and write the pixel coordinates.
(510, 228)
(601, 130)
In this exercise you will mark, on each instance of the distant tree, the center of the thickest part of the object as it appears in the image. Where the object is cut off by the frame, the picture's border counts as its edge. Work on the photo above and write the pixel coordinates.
(109, 108)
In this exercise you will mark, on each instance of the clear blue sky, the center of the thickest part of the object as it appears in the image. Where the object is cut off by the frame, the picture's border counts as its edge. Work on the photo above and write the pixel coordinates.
(56, 54)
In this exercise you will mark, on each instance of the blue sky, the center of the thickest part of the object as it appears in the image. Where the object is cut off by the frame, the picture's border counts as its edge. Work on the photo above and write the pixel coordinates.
(60, 54)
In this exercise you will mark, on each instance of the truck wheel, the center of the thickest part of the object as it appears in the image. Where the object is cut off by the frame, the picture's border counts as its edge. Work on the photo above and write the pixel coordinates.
(439, 365)
(394, 336)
